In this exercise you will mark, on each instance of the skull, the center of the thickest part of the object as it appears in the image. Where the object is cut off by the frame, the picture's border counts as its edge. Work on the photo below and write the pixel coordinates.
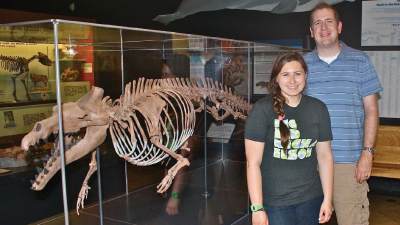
(89, 115)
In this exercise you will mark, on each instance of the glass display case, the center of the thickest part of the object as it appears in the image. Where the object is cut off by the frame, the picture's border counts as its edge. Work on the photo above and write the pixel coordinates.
(45, 64)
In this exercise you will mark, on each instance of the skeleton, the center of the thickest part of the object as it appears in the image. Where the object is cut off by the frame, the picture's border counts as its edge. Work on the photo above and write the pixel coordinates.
(19, 66)
(148, 123)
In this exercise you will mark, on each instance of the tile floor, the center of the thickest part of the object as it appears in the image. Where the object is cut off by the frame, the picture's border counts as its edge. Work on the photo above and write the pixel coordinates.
(227, 203)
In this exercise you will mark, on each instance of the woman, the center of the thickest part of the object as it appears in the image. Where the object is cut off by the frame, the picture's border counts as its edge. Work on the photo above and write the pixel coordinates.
(289, 158)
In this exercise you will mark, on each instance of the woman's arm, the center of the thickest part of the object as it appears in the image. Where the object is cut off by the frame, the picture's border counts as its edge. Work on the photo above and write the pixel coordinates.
(254, 153)
(325, 165)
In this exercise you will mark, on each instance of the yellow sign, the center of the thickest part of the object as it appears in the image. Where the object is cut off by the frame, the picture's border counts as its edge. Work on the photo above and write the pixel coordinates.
(20, 120)
(44, 32)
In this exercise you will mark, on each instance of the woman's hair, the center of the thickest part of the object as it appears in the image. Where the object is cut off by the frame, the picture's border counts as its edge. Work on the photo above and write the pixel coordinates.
(277, 98)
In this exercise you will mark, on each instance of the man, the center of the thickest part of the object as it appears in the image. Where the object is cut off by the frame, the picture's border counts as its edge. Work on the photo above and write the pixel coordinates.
(346, 81)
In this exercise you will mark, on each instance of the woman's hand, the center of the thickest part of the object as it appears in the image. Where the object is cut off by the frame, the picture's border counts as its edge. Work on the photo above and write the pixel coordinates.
(172, 207)
(259, 218)
(325, 212)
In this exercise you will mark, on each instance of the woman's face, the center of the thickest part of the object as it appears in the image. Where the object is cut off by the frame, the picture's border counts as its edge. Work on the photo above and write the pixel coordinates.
(291, 79)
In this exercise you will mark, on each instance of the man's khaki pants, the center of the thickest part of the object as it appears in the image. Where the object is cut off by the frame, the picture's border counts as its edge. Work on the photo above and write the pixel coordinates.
(349, 197)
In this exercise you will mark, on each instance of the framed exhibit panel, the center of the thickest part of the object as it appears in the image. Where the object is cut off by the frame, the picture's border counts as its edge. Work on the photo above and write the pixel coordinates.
(73, 66)
(380, 24)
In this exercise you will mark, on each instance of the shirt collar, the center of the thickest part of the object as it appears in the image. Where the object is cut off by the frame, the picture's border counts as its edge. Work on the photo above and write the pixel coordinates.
(343, 50)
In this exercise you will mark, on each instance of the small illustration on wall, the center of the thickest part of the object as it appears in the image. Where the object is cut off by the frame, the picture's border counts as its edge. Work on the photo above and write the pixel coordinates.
(25, 71)
(69, 74)
(19, 68)
(229, 69)
(39, 80)
(9, 119)
(71, 69)
(235, 73)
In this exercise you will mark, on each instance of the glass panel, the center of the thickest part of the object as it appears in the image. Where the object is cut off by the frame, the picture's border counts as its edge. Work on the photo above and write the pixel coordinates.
(212, 190)
(26, 96)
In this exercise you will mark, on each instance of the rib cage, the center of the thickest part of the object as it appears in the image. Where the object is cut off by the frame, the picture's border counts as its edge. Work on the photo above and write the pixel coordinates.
(13, 63)
(163, 108)
(174, 123)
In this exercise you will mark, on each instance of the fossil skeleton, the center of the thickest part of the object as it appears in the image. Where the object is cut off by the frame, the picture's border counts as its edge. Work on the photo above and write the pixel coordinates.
(20, 67)
(148, 123)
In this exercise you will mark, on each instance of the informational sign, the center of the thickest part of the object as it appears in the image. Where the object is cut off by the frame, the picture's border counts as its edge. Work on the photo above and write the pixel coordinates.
(36, 81)
(263, 62)
(220, 133)
(44, 32)
(20, 120)
(72, 91)
(197, 67)
(380, 23)
(387, 67)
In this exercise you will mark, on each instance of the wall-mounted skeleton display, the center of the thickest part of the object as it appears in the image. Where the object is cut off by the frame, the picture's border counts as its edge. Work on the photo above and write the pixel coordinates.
(19, 66)
(148, 123)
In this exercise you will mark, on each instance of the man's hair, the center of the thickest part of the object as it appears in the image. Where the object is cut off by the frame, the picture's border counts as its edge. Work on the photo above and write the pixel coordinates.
(324, 5)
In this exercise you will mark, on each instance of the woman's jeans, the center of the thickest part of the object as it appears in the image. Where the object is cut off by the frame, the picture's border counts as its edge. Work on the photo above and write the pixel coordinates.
(304, 213)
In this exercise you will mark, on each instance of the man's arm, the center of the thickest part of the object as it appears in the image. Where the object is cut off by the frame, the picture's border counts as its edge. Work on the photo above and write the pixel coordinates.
(364, 165)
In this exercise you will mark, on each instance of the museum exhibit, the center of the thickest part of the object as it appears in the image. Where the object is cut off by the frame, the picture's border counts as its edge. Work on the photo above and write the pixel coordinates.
(175, 103)
(107, 121)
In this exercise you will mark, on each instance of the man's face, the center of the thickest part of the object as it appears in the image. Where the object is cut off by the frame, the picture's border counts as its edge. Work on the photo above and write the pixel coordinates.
(325, 29)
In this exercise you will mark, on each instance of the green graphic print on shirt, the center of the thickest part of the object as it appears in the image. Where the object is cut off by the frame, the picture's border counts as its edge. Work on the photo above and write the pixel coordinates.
(297, 148)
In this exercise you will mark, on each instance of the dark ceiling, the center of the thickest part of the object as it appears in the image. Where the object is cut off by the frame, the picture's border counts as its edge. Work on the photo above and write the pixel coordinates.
(236, 24)
(116, 12)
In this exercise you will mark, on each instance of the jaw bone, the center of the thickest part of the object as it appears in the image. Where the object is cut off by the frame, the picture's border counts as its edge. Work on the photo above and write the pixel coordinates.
(94, 136)
(90, 113)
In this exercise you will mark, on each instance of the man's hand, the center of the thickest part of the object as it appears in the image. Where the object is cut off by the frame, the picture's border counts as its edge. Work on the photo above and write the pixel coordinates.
(364, 167)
